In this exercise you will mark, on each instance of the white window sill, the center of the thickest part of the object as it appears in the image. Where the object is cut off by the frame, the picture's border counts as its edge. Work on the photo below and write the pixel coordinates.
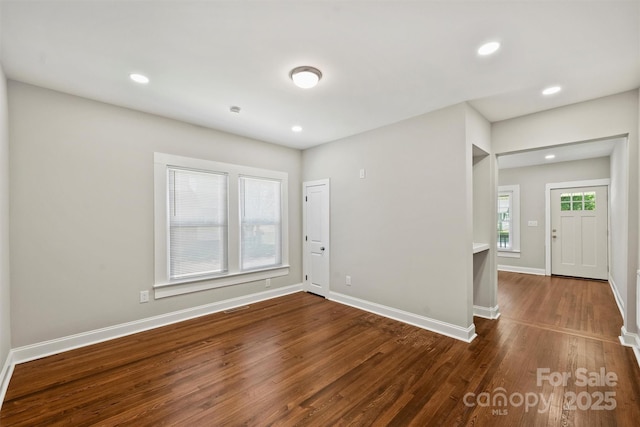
(508, 254)
(480, 247)
(163, 290)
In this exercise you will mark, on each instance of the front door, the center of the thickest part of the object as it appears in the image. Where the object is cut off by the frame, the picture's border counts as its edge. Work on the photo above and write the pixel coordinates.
(579, 228)
(316, 237)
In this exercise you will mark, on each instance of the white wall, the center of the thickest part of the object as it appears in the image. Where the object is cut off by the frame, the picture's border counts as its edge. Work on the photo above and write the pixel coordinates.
(598, 118)
(478, 129)
(5, 291)
(478, 134)
(532, 181)
(613, 115)
(402, 232)
(82, 210)
(617, 216)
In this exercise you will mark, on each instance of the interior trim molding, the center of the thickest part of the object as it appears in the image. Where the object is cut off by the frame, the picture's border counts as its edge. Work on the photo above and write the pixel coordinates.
(59, 345)
(491, 313)
(547, 212)
(453, 331)
(5, 375)
(616, 296)
(507, 254)
(524, 270)
(638, 301)
(179, 288)
(630, 339)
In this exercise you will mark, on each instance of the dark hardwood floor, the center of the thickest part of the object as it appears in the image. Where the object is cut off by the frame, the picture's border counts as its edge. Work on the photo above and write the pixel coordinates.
(303, 360)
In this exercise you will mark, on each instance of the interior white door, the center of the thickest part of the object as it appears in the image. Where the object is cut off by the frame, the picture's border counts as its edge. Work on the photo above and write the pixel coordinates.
(579, 228)
(316, 237)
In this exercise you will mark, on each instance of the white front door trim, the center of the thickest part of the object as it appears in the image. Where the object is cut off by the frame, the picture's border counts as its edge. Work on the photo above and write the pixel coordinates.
(547, 215)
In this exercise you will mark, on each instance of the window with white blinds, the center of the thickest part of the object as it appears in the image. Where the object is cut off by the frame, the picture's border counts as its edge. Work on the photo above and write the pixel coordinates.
(197, 223)
(217, 224)
(261, 237)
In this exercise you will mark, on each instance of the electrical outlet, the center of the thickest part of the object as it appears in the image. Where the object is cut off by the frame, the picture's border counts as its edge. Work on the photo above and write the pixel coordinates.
(348, 280)
(268, 283)
(144, 296)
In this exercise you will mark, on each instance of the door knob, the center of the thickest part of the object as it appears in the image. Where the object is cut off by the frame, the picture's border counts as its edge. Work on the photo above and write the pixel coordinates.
(322, 248)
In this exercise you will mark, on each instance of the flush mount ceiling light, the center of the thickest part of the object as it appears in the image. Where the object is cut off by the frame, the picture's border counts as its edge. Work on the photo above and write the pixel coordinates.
(488, 48)
(550, 156)
(305, 77)
(551, 90)
(296, 128)
(139, 78)
(234, 109)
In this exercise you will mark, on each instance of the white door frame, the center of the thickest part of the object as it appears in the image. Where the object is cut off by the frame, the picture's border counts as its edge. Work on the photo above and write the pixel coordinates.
(305, 261)
(547, 214)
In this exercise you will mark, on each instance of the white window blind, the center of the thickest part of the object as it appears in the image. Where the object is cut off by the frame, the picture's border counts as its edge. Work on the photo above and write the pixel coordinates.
(217, 224)
(261, 223)
(197, 220)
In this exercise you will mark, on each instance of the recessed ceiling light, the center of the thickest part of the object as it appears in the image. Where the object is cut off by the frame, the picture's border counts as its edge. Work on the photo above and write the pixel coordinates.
(488, 48)
(139, 78)
(234, 109)
(550, 156)
(296, 128)
(305, 77)
(551, 90)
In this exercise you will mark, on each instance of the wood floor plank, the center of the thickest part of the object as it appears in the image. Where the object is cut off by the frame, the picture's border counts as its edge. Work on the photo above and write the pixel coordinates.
(302, 360)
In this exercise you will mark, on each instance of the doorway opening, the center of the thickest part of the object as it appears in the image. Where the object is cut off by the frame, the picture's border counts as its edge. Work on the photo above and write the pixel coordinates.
(316, 237)
(577, 229)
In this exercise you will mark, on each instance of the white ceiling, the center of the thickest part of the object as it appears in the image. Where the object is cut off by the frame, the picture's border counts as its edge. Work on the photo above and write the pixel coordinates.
(562, 153)
(382, 61)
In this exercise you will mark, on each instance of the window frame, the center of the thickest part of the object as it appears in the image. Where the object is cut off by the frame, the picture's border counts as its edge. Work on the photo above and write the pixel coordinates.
(242, 207)
(513, 191)
(171, 204)
(582, 202)
(163, 285)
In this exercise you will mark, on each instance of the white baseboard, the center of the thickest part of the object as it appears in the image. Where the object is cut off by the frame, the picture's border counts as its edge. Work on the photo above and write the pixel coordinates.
(5, 375)
(638, 301)
(444, 328)
(524, 270)
(486, 312)
(630, 339)
(59, 345)
(616, 296)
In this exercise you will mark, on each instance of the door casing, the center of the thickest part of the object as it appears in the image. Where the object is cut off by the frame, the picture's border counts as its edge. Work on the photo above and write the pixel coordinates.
(306, 261)
(571, 184)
